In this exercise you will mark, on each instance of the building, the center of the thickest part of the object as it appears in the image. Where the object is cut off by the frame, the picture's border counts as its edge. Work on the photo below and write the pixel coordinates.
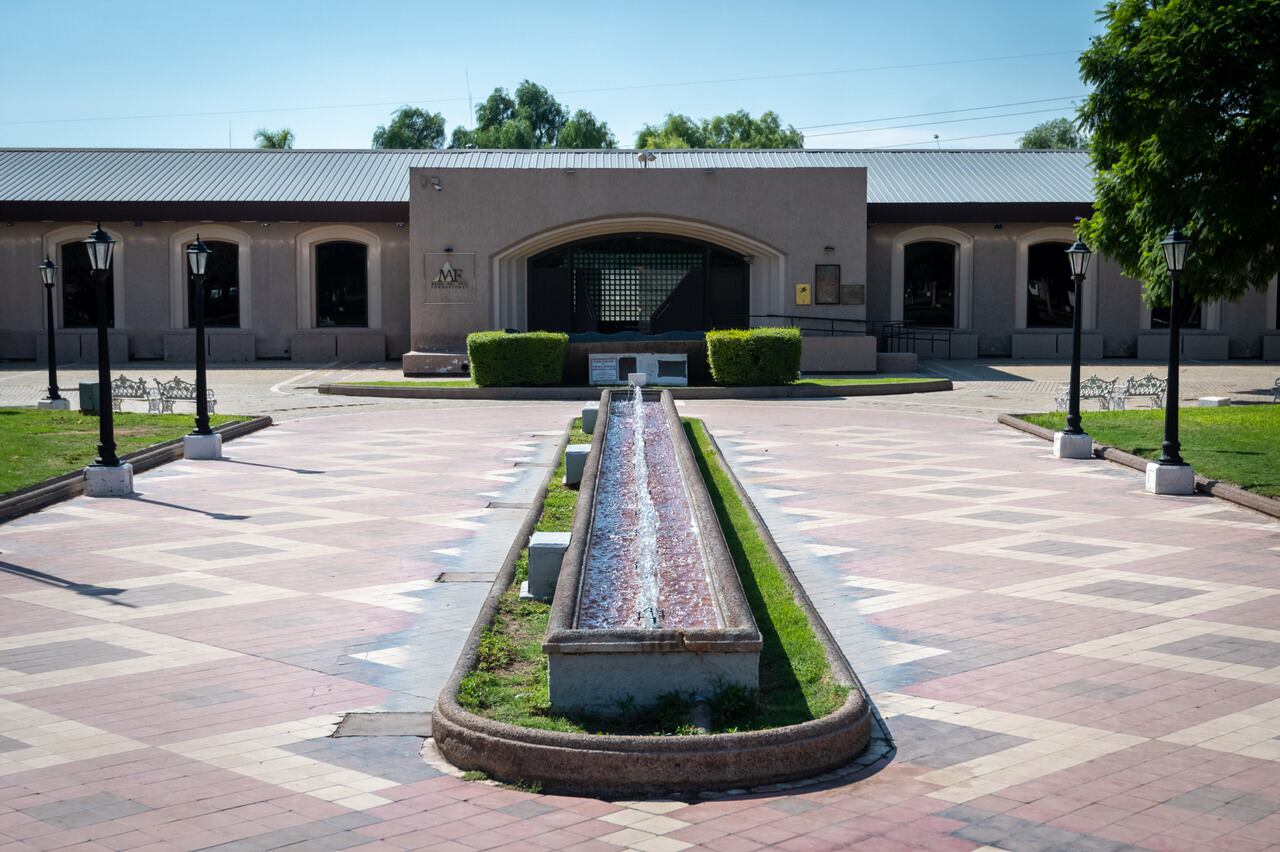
(366, 255)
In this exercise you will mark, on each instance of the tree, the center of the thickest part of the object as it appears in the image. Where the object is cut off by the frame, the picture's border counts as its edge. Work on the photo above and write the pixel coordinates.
(1185, 122)
(531, 119)
(1054, 133)
(733, 130)
(411, 127)
(282, 138)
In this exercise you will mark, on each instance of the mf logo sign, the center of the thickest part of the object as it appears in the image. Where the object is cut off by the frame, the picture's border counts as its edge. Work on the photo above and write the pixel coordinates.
(449, 276)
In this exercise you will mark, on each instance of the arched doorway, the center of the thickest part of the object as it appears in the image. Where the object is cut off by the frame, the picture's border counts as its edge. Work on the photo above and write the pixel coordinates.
(641, 282)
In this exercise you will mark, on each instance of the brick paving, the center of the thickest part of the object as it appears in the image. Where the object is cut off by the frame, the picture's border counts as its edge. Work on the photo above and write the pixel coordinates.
(1063, 661)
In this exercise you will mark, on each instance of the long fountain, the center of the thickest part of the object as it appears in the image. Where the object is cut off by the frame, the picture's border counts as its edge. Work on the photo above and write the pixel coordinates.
(648, 600)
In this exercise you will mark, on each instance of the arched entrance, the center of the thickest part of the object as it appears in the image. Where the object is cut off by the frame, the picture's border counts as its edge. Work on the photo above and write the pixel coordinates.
(640, 282)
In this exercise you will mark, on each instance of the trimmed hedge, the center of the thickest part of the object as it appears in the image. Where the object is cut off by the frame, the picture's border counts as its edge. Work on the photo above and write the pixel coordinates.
(499, 359)
(759, 356)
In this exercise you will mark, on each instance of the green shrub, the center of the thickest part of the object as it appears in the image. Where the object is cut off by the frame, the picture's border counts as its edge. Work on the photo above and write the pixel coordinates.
(759, 356)
(499, 359)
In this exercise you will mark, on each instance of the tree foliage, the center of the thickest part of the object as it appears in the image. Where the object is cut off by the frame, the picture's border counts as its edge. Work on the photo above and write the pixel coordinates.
(282, 138)
(411, 127)
(1185, 124)
(533, 118)
(732, 130)
(1054, 133)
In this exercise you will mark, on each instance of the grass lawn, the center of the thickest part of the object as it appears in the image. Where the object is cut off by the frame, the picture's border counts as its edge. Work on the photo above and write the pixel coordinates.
(37, 445)
(510, 683)
(1238, 444)
(827, 381)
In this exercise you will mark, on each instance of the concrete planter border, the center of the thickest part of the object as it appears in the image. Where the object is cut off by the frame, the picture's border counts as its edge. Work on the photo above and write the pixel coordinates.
(640, 765)
(1222, 490)
(33, 498)
(587, 394)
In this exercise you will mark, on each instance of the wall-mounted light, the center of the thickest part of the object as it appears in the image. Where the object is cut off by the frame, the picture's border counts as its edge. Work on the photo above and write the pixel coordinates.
(748, 258)
(829, 249)
(399, 224)
(137, 224)
(265, 225)
(448, 249)
(999, 226)
(708, 171)
(646, 157)
(435, 184)
(571, 171)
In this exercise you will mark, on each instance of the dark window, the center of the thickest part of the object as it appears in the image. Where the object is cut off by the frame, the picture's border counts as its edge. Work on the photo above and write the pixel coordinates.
(221, 286)
(1051, 292)
(79, 302)
(929, 284)
(342, 284)
(1190, 317)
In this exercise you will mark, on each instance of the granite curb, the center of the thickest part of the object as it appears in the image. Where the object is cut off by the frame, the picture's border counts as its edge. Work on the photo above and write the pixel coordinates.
(1222, 490)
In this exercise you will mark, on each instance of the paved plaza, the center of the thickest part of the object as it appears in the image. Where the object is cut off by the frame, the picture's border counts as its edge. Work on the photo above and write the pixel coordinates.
(1060, 660)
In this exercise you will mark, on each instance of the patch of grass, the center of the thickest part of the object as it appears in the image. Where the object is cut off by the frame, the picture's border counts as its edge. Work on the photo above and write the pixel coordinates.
(474, 775)
(467, 383)
(412, 383)
(1239, 444)
(36, 445)
(839, 381)
(510, 681)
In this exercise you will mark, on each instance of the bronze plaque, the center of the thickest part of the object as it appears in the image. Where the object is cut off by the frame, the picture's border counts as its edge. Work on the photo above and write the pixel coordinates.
(853, 294)
(826, 284)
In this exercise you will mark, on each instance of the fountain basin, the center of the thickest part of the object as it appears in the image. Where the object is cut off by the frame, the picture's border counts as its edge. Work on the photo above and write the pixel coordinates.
(603, 654)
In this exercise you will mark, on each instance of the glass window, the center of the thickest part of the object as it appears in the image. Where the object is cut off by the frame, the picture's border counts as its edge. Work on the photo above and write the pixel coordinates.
(1189, 318)
(929, 284)
(342, 284)
(1051, 291)
(221, 286)
(79, 302)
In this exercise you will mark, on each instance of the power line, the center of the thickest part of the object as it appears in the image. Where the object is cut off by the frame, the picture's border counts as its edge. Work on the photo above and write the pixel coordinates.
(953, 139)
(792, 76)
(933, 123)
(939, 112)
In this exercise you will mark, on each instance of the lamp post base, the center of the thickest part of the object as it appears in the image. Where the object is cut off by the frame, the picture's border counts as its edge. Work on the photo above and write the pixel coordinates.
(63, 404)
(202, 447)
(1176, 479)
(103, 481)
(1067, 446)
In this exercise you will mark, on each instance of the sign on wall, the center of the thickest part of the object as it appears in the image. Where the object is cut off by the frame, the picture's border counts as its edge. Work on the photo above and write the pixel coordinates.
(853, 294)
(826, 280)
(804, 294)
(449, 276)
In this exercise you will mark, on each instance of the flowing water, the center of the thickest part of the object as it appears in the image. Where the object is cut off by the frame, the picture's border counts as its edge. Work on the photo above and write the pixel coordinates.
(644, 565)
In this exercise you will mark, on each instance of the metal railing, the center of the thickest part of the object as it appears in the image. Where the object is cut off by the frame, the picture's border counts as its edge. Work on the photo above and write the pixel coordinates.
(891, 335)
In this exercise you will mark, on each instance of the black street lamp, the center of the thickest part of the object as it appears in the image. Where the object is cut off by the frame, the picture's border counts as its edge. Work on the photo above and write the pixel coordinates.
(1078, 254)
(48, 271)
(100, 245)
(198, 259)
(1175, 247)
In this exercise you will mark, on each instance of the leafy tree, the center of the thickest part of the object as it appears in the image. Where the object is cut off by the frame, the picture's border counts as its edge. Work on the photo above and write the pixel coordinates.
(411, 127)
(1054, 133)
(282, 138)
(531, 119)
(1185, 121)
(733, 130)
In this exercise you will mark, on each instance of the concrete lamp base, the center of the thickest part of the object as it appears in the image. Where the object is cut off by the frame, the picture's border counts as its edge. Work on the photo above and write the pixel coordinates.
(575, 462)
(63, 404)
(108, 481)
(202, 447)
(1177, 479)
(1067, 446)
(590, 414)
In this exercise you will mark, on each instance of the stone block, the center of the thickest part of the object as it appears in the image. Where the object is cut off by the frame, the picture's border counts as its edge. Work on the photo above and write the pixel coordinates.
(202, 447)
(546, 552)
(364, 346)
(575, 461)
(100, 481)
(1054, 344)
(590, 414)
(638, 380)
(1177, 479)
(1195, 345)
(1271, 346)
(63, 404)
(1072, 446)
(313, 347)
(434, 363)
(897, 362)
(838, 354)
(1214, 401)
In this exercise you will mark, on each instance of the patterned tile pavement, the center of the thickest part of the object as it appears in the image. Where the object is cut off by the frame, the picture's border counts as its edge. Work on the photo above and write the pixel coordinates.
(1062, 661)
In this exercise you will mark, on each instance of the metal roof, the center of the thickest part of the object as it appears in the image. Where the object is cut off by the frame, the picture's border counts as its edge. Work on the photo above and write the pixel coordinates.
(378, 176)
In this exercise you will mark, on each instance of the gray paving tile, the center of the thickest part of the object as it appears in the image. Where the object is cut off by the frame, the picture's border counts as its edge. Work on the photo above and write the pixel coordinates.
(229, 550)
(1052, 547)
(10, 744)
(57, 656)
(941, 744)
(1008, 516)
(85, 810)
(1096, 689)
(207, 696)
(1228, 649)
(164, 593)
(527, 809)
(1129, 590)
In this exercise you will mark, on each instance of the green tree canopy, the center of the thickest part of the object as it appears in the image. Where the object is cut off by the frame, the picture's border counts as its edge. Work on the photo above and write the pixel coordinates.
(1185, 124)
(282, 138)
(733, 130)
(531, 119)
(411, 127)
(1054, 133)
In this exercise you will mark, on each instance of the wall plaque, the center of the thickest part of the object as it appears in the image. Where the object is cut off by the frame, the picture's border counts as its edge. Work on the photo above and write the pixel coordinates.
(826, 284)
(853, 294)
(804, 294)
(449, 277)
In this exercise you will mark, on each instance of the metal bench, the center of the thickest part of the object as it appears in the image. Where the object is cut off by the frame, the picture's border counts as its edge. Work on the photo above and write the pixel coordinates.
(1091, 388)
(1148, 386)
(123, 387)
(178, 390)
(1276, 391)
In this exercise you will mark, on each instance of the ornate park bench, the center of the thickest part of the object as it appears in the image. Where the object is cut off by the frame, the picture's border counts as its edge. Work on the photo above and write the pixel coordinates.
(1148, 386)
(1091, 388)
(177, 390)
(123, 387)
(1276, 391)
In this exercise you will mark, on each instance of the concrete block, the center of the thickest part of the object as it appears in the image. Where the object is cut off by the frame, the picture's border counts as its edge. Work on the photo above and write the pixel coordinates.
(897, 362)
(313, 347)
(434, 363)
(232, 345)
(1072, 446)
(202, 447)
(1054, 344)
(590, 414)
(575, 461)
(838, 354)
(1214, 401)
(102, 481)
(117, 346)
(638, 380)
(1271, 346)
(63, 404)
(1177, 479)
(364, 346)
(546, 552)
(1195, 345)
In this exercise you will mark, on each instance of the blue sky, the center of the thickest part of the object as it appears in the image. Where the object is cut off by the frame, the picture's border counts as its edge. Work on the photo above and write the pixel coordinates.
(333, 71)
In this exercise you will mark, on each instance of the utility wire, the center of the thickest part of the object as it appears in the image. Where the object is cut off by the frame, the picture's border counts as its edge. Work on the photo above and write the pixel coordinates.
(953, 139)
(939, 112)
(932, 123)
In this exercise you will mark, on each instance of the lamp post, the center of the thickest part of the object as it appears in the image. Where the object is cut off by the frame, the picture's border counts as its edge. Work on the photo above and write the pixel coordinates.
(55, 400)
(106, 477)
(1170, 474)
(1072, 442)
(202, 443)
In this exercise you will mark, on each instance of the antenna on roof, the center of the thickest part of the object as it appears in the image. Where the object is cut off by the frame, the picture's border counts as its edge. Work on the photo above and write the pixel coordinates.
(470, 106)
